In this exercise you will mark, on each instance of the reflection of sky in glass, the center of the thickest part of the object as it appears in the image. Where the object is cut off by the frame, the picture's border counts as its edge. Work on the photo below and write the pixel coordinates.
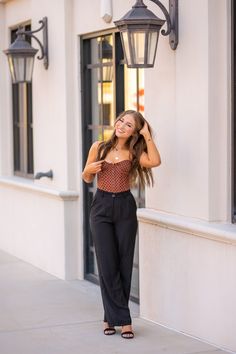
(138, 41)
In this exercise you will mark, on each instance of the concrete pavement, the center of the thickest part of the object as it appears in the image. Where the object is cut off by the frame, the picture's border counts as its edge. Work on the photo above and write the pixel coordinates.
(41, 314)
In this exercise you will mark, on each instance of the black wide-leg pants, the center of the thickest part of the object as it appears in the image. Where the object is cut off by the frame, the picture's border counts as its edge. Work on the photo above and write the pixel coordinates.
(113, 223)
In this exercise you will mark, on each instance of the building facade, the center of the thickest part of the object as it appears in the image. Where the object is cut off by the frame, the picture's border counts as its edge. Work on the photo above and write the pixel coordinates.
(186, 250)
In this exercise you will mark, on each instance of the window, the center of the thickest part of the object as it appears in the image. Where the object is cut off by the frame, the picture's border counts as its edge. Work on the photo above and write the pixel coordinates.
(22, 125)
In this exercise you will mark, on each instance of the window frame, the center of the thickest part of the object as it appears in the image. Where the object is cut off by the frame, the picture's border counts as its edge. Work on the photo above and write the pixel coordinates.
(86, 118)
(87, 133)
(22, 120)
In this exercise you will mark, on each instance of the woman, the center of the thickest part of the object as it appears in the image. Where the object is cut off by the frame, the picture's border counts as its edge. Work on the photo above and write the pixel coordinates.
(130, 152)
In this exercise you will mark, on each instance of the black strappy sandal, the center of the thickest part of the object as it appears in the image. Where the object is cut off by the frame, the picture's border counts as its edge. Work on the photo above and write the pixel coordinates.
(109, 331)
(127, 335)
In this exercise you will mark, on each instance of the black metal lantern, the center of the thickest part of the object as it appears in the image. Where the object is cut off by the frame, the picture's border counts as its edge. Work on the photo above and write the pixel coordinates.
(21, 54)
(21, 60)
(140, 30)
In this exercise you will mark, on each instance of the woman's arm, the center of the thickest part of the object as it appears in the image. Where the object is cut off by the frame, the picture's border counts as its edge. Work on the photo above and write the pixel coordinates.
(151, 158)
(92, 166)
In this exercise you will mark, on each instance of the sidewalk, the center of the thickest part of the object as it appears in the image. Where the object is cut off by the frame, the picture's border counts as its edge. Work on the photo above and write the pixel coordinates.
(41, 314)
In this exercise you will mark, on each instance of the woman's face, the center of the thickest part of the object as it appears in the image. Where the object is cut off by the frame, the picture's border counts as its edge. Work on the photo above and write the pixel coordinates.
(125, 126)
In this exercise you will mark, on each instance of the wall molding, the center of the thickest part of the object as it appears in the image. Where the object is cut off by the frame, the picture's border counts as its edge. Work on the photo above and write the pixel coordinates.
(216, 231)
(31, 186)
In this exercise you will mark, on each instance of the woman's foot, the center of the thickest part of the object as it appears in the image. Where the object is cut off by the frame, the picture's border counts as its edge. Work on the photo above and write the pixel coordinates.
(127, 332)
(108, 330)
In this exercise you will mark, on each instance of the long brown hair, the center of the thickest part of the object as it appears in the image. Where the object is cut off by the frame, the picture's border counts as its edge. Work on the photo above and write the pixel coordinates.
(135, 144)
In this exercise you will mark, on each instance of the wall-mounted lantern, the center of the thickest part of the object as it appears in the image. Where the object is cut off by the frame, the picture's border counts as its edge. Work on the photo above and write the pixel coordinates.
(21, 54)
(140, 30)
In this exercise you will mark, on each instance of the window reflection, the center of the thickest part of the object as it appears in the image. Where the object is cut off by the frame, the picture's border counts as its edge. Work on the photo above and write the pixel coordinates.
(102, 87)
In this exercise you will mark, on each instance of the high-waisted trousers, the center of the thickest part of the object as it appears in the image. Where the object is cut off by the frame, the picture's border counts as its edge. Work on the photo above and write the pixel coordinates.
(113, 223)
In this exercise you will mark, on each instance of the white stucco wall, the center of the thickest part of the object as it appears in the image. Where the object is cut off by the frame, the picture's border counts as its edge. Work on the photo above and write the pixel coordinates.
(5, 121)
(56, 147)
(40, 226)
(191, 99)
(187, 241)
(187, 279)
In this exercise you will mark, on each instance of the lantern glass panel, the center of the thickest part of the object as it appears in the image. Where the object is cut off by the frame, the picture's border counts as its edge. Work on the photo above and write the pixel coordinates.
(151, 49)
(138, 46)
(11, 67)
(29, 69)
(125, 40)
(21, 68)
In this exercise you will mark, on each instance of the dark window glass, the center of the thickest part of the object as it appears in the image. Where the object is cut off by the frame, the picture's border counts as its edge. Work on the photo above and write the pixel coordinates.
(22, 124)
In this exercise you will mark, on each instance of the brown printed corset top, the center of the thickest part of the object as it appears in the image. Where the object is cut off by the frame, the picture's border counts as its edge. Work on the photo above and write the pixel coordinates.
(114, 177)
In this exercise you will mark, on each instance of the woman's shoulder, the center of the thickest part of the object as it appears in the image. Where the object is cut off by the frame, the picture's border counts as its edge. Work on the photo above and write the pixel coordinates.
(96, 145)
(93, 151)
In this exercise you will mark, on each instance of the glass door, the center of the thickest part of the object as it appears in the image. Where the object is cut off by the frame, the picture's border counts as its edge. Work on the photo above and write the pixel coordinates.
(108, 88)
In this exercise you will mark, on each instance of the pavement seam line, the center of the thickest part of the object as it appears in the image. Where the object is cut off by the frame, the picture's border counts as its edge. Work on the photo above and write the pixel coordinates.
(49, 326)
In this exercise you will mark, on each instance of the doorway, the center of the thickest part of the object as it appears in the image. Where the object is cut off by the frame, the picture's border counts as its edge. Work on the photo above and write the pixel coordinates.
(108, 88)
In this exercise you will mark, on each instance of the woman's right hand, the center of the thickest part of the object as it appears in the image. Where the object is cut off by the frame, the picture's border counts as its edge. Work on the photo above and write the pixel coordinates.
(94, 167)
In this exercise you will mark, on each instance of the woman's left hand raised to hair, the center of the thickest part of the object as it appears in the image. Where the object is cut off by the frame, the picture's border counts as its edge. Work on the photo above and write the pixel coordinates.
(145, 131)
(151, 158)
